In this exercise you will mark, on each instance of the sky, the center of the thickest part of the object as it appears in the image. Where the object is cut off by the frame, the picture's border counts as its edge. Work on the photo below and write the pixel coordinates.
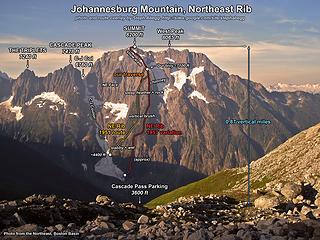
(284, 36)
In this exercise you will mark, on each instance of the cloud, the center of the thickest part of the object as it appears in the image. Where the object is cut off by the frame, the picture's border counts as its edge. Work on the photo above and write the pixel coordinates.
(285, 20)
(211, 34)
(300, 46)
(312, 30)
(20, 40)
(204, 37)
(209, 30)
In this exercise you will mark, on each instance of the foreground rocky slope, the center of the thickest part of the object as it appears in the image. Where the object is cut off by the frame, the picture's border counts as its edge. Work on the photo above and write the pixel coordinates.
(297, 161)
(193, 218)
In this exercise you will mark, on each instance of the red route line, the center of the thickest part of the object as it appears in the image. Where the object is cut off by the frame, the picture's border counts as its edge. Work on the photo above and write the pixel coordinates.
(147, 109)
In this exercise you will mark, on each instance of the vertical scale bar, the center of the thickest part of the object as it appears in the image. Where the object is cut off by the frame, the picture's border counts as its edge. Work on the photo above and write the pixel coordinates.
(249, 133)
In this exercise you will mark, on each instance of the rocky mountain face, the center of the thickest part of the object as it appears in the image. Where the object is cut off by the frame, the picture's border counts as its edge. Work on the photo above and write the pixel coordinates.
(6, 85)
(198, 100)
(52, 114)
(47, 109)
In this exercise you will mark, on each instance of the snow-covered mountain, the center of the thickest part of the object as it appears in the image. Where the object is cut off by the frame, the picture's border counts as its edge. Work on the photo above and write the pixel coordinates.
(61, 115)
(283, 87)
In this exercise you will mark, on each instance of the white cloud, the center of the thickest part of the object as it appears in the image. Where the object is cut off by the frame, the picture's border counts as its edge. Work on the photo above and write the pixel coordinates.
(261, 47)
(285, 20)
(20, 40)
(209, 30)
(204, 37)
(312, 30)
(212, 34)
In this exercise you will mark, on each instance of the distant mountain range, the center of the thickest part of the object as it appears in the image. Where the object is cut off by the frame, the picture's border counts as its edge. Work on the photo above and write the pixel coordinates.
(282, 87)
(4, 75)
(52, 115)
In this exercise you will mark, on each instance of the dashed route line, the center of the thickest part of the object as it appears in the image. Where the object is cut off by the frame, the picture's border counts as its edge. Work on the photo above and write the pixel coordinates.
(121, 140)
(146, 111)
(131, 159)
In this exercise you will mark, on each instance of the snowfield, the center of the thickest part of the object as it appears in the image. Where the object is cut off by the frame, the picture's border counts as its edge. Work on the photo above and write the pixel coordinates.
(169, 59)
(105, 165)
(13, 109)
(118, 109)
(198, 95)
(54, 107)
(193, 74)
(50, 96)
(167, 90)
(74, 114)
(180, 77)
